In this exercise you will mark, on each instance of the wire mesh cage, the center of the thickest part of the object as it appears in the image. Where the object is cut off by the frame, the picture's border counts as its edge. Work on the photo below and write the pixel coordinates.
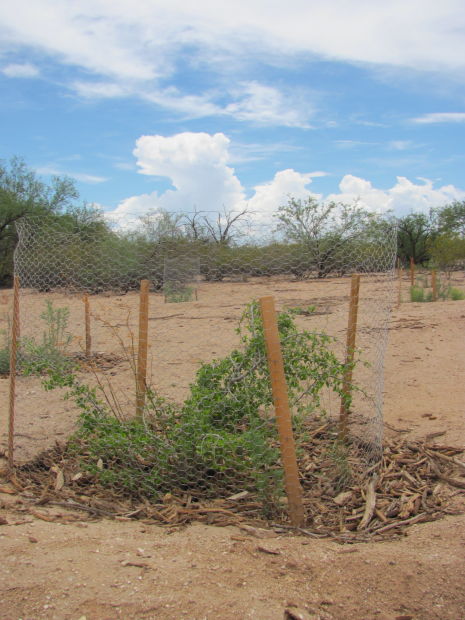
(181, 275)
(205, 424)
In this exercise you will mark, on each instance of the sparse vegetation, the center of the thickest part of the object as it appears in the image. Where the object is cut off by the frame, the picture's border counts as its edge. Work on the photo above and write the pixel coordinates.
(4, 361)
(50, 351)
(5, 350)
(417, 294)
(456, 294)
(222, 438)
(178, 293)
(420, 292)
(303, 311)
(35, 357)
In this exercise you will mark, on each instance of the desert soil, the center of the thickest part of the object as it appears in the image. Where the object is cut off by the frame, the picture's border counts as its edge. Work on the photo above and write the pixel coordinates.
(105, 569)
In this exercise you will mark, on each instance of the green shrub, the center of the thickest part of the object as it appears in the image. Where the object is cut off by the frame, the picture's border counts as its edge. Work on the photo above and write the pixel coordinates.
(178, 293)
(4, 361)
(306, 311)
(417, 294)
(223, 438)
(5, 350)
(455, 294)
(50, 352)
(444, 292)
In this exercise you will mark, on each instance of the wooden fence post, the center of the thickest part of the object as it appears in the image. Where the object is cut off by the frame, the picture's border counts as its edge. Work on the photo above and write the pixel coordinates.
(85, 299)
(141, 372)
(434, 294)
(350, 350)
(283, 414)
(13, 356)
(412, 271)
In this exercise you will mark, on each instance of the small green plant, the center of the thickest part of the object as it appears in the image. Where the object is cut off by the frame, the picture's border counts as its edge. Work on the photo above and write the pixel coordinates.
(420, 295)
(38, 357)
(417, 294)
(456, 294)
(306, 311)
(5, 350)
(178, 293)
(56, 319)
(4, 361)
(444, 291)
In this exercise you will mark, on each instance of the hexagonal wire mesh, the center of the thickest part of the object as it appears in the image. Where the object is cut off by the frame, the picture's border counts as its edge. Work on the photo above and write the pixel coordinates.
(181, 276)
(207, 423)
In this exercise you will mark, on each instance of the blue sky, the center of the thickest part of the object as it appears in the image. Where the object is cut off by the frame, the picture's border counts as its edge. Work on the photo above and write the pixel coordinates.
(211, 105)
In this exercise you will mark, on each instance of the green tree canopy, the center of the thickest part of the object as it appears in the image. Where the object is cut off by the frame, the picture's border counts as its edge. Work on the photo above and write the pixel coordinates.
(447, 252)
(22, 193)
(415, 233)
(451, 219)
(325, 230)
(433, 236)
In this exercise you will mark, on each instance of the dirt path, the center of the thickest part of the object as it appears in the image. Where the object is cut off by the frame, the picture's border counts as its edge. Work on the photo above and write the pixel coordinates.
(109, 570)
(128, 570)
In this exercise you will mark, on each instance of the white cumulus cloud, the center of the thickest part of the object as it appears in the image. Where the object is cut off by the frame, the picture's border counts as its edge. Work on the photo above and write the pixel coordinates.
(198, 168)
(197, 165)
(269, 196)
(402, 198)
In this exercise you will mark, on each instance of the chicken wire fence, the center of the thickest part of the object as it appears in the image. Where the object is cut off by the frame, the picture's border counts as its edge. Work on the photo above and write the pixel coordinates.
(198, 416)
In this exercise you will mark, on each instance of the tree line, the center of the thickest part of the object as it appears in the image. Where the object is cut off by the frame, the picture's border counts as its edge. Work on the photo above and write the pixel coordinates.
(310, 239)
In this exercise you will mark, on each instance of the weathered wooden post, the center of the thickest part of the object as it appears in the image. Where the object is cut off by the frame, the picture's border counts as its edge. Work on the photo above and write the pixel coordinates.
(141, 372)
(283, 414)
(434, 286)
(350, 350)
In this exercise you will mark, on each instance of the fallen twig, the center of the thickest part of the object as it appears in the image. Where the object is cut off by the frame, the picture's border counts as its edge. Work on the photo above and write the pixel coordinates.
(455, 482)
(410, 521)
(444, 457)
(301, 530)
(370, 504)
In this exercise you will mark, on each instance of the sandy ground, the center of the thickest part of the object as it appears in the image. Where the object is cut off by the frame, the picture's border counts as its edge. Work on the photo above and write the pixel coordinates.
(112, 569)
